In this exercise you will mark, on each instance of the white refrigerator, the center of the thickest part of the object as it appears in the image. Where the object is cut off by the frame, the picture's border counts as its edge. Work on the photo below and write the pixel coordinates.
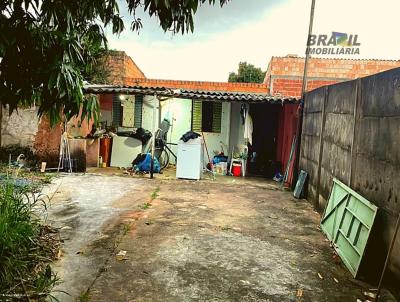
(189, 163)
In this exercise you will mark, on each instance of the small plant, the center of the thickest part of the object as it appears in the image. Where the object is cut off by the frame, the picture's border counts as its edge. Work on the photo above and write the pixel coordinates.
(84, 297)
(154, 194)
(125, 228)
(145, 205)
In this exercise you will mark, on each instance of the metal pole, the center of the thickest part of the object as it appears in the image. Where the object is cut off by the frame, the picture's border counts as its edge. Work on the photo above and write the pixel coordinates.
(310, 27)
(303, 91)
(153, 142)
(389, 254)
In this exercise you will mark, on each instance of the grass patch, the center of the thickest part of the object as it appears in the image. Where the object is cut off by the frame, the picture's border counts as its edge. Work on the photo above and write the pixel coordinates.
(84, 297)
(154, 194)
(26, 246)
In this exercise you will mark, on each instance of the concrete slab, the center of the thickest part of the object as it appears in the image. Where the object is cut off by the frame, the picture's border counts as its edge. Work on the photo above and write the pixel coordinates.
(193, 241)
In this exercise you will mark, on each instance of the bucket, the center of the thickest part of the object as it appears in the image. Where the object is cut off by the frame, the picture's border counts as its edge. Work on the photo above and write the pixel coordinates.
(237, 170)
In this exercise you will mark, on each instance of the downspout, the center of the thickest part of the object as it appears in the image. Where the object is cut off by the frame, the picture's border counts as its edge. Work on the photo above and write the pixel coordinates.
(301, 107)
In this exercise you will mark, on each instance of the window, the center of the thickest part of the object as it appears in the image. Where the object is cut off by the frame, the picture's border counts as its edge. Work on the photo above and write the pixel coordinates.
(138, 111)
(127, 111)
(116, 111)
(206, 116)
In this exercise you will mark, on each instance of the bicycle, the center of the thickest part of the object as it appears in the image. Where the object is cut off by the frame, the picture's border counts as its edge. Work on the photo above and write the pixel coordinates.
(162, 150)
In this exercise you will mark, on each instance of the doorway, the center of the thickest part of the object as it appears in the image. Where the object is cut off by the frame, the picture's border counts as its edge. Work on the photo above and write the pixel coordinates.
(263, 151)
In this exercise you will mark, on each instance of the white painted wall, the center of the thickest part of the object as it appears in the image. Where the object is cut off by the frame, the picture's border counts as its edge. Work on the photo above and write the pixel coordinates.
(147, 113)
(179, 112)
(20, 127)
(215, 140)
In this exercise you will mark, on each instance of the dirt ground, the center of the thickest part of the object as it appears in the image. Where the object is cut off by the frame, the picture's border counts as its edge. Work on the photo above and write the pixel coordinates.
(226, 240)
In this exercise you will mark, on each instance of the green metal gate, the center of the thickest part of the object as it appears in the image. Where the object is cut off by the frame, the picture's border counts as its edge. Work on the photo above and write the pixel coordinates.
(347, 222)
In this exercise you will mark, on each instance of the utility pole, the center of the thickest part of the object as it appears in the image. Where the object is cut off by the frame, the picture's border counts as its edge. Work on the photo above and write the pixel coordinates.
(310, 28)
(303, 91)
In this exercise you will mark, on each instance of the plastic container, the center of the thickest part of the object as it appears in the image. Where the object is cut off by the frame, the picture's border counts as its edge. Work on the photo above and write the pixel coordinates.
(221, 168)
(236, 170)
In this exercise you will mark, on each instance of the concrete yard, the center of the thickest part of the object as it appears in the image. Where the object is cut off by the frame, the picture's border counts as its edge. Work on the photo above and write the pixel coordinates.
(225, 240)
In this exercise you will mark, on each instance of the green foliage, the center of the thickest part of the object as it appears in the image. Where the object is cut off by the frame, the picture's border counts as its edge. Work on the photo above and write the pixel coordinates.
(145, 206)
(22, 269)
(98, 72)
(84, 297)
(154, 194)
(49, 47)
(247, 73)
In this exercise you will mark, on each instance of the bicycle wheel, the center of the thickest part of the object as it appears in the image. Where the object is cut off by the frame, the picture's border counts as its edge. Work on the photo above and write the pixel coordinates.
(163, 159)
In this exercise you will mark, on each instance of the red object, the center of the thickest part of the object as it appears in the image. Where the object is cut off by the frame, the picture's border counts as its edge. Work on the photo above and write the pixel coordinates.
(286, 131)
(105, 150)
(237, 170)
(106, 101)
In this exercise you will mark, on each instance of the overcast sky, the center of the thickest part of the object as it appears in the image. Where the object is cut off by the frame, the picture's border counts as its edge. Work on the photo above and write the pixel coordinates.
(254, 31)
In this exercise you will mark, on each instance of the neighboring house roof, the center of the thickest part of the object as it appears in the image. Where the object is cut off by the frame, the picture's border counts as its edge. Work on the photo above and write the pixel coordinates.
(220, 96)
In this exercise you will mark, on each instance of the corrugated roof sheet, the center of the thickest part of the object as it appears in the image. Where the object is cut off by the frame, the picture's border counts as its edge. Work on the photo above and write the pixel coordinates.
(219, 96)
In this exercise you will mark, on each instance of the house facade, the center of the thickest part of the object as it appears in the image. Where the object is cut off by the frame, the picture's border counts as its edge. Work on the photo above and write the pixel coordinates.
(218, 121)
(221, 122)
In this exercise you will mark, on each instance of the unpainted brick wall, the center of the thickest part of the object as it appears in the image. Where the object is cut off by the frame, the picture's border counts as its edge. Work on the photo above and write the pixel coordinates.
(284, 74)
(120, 67)
(200, 85)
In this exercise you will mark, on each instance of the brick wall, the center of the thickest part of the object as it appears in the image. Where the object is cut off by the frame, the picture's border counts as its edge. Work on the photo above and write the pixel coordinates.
(121, 66)
(199, 85)
(47, 141)
(284, 74)
(292, 87)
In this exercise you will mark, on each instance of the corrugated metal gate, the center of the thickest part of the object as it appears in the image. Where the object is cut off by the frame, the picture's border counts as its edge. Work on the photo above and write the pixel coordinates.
(347, 222)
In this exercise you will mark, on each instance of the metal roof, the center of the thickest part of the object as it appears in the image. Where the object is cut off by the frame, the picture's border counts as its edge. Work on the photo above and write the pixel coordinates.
(218, 96)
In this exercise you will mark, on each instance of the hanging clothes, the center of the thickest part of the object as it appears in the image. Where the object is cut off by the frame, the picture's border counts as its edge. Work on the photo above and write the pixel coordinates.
(243, 112)
(248, 128)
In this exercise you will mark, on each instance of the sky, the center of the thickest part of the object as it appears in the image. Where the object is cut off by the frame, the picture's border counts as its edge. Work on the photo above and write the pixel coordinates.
(254, 31)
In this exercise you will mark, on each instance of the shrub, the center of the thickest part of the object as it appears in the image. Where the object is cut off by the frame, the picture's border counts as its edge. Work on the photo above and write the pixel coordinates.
(24, 257)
